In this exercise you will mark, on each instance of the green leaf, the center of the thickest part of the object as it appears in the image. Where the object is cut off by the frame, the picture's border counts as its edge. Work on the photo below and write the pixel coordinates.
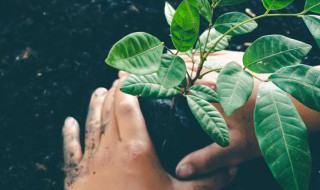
(313, 23)
(229, 20)
(147, 86)
(213, 37)
(270, 53)
(312, 5)
(234, 87)
(212, 65)
(169, 12)
(172, 70)
(204, 92)
(205, 9)
(210, 120)
(282, 137)
(276, 4)
(138, 53)
(229, 2)
(302, 82)
(185, 25)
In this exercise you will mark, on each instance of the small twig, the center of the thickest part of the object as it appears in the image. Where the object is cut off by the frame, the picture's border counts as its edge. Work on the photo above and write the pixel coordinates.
(169, 50)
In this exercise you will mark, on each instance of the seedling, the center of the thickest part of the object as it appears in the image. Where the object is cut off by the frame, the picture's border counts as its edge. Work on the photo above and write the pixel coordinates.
(281, 133)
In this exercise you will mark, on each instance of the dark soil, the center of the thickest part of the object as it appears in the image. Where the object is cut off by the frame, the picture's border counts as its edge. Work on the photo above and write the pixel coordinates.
(52, 57)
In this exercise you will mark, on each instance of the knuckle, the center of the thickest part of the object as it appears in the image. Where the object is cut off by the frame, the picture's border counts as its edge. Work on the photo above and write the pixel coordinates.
(196, 186)
(135, 149)
(126, 107)
(93, 124)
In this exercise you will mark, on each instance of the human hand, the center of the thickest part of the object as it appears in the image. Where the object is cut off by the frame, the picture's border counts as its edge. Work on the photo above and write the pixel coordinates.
(243, 146)
(118, 153)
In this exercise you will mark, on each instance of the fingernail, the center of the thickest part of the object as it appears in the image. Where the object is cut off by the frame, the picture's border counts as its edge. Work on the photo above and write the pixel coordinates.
(100, 92)
(185, 171)
(70, 121)
(232, 173)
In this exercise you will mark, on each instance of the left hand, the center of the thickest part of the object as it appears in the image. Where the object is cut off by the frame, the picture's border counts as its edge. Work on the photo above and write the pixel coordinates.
(119, 154)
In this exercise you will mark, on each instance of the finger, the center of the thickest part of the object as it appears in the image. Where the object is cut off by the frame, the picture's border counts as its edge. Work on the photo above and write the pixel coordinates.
(71, 143)
(109, 124)
(215, 181)
(93, 123)
(107, 107)
(123, 74)
(204, 161)
(129, 117)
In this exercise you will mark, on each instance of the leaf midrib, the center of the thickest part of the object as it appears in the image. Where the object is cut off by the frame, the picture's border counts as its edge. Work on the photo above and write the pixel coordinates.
(297, 81)
(168, 70)
(136, 55)
(190, 14)
(235, 86)
(272, 55)
(211, 120)
(285, 139)
(314, 6)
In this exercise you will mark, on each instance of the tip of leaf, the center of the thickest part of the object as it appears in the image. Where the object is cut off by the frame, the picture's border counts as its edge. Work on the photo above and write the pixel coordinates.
(228, 113)
(225, 143)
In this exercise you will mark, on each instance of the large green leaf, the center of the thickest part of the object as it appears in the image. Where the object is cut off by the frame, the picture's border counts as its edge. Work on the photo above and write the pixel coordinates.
(213, 37)
(229, 20)
(282, 137)
(147, 86)
(169, 12)
(313, 23)
(205, 9)
(234, 87)
(312, 5)
(185, 25)
(302, 82)
(210, 120)
(270, 53)
(276, 4)
(138, 53)
(204, 92)
(229, 2)
(172, 70)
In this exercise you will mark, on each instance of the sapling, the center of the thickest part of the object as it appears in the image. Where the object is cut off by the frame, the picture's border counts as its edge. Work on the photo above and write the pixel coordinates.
(158, 72)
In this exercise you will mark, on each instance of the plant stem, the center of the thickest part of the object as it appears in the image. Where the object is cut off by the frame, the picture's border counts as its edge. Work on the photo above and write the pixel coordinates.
(169, 50)
(213, 70)
(235, 27)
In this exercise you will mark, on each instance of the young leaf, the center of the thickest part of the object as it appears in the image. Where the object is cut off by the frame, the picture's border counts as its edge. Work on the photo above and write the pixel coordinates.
(138, 53)
(234, 87)
(312, 5)
(270, 53)
(212, 65)
(213, 37)
(276, 4)
(147, 86)
(282, 137)
(172, 70)
(210, 120)
(205, 9)
(204, 92)
(230, 20)
(302, 82)
(229, 2)
(169, 12)
(313, 23)
(185, 25)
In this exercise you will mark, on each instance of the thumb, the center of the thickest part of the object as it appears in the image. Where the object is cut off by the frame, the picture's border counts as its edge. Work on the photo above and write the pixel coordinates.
(205, 161)
(215, 181)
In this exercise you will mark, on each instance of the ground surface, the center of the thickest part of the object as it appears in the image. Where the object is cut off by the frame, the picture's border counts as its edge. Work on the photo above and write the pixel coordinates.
(52, 57)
